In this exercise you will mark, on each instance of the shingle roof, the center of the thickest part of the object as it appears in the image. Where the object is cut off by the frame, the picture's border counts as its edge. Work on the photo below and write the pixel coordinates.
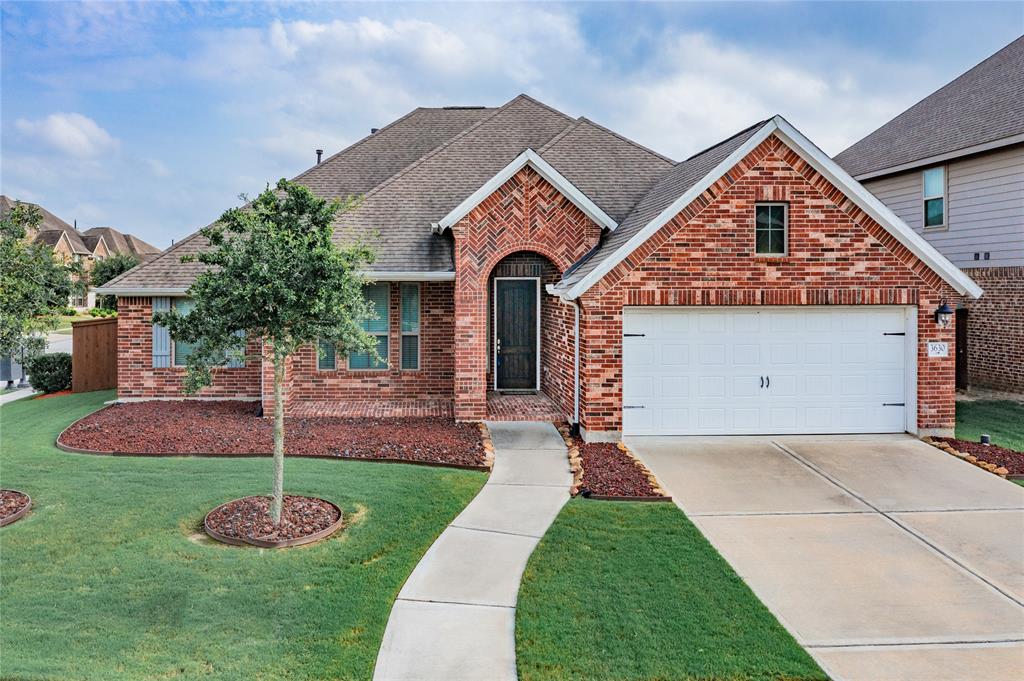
(672, 185)
(983, 105)
(119, 242)
(427, 162)
(50, 221)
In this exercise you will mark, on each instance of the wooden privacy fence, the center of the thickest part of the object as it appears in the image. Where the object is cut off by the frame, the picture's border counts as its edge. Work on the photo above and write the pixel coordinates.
(94, 355)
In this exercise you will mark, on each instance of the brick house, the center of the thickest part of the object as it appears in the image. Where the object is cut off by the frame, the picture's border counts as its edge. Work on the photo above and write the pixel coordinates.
(952, 168)
(752, 288)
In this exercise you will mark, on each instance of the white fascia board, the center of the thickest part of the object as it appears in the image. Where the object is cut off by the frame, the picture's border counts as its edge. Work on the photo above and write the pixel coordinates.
(545, 170)
(940, 158)
(136, 291)
(824, 165)
(606, 266)
(409, 276)
(881, 213)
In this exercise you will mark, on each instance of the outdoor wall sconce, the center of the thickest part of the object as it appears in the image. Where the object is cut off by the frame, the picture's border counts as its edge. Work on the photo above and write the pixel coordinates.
(944, 316)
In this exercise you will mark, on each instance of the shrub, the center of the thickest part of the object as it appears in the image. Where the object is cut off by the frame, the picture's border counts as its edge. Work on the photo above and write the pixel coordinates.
(102, 312)
(51, 372)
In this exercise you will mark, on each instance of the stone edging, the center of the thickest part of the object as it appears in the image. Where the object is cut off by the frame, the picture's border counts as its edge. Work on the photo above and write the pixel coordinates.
(576, 465)
(969, 458)
(271, 544)
(485, 433)
(17, 515)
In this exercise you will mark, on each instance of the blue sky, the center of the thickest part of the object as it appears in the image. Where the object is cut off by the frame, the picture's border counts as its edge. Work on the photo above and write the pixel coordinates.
(153, 117)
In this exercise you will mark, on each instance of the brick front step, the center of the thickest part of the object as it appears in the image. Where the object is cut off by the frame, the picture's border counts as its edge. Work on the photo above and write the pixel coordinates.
(537, 407)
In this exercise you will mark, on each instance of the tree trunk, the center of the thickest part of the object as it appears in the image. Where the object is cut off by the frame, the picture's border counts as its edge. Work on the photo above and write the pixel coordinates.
(277, 500)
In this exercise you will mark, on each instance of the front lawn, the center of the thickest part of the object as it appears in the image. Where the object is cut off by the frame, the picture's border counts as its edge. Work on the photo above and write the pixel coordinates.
(110, 577)
(627, 591)
(1002, 419)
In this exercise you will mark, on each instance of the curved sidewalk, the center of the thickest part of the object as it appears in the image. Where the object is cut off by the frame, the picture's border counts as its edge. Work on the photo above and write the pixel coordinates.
(455, 617)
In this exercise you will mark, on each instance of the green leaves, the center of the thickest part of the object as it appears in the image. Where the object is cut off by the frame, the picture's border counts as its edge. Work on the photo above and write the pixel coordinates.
(34, 284)
(274, 273)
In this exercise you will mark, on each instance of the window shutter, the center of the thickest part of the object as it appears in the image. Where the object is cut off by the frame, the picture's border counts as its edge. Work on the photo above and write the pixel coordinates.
(237, 361)
(161, 337)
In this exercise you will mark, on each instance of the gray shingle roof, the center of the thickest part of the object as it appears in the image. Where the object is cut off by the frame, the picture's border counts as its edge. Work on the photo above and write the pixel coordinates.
(672, 185)
(983, 105)
(416, 170)
(119, 242)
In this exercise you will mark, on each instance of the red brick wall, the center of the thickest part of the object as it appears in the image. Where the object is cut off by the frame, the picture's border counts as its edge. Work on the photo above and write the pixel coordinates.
(433, 378)
(705, 256)
(137, 378)
(525, 214)
(995, 329)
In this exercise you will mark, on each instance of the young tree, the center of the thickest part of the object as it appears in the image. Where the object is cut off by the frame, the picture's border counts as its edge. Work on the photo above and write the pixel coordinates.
(274, 274)
(106, 269)
(34, 285)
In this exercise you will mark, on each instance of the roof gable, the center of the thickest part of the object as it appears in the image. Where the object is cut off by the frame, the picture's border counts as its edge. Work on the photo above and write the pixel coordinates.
(971, 113)
(605, 259)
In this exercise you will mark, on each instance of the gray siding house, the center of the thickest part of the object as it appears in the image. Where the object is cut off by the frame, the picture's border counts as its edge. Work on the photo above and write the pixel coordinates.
(952, 167)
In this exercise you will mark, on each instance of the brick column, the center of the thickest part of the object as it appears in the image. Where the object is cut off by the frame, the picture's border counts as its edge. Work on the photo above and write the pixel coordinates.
(470, 346)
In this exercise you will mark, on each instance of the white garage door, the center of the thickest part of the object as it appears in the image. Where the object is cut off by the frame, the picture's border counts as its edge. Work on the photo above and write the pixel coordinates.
(765, 370)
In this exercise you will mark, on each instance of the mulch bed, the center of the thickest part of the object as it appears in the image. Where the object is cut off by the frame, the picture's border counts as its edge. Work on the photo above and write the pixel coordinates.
(233, 428)
(247, 520)
(45, 396)
(1009, 459)
(13, 505)
(610, 472)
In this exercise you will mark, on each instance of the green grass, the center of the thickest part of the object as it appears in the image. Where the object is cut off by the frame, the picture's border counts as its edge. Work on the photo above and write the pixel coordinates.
(1002, 419)
(64, 324)
(627, 591)
(109, 577)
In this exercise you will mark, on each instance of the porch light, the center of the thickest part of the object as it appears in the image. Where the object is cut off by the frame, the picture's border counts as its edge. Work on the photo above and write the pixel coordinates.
(944, 316)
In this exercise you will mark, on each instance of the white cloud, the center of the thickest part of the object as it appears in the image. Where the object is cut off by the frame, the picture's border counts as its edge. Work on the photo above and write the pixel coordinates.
(157, 167)
(71, 133)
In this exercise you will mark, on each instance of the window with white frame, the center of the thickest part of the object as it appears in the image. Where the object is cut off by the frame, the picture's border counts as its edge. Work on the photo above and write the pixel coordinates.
(934, 190)
(770, 227)
(410, 316)
(378, 295)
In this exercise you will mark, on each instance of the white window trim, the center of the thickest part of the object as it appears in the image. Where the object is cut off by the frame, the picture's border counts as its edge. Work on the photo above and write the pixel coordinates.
(945, 202)
(494, 338)
(419, 328)
(376, 334)
(785, 229)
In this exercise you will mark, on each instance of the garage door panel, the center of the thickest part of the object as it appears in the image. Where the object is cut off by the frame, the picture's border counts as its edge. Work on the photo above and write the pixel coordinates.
(825, 370)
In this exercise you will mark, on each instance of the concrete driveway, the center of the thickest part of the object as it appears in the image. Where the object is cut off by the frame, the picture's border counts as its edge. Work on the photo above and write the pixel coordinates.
(886, 558)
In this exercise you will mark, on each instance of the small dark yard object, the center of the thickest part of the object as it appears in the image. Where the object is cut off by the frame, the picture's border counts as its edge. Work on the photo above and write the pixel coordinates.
(13, 505)
(233, 429)
(1002, 457)
(247, 521)
(609, 472)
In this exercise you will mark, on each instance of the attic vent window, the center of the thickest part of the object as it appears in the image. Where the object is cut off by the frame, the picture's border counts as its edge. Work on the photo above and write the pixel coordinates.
(770, 228)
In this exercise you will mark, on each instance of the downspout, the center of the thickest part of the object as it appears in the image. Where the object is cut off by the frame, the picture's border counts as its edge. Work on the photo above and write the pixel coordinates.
(576, 357)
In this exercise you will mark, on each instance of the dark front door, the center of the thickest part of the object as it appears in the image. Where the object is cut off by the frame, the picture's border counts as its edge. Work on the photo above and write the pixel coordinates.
(961, 349)
(515, 303)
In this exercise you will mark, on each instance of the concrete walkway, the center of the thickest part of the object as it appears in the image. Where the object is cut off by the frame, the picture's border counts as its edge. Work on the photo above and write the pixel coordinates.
(455, 617)
(886, 558)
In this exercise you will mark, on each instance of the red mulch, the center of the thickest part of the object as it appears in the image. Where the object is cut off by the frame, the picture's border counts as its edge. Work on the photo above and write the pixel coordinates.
(56, 394)
(608, 471)
(1009, 459)
(250, 518)
(226, 427)
(11, 502)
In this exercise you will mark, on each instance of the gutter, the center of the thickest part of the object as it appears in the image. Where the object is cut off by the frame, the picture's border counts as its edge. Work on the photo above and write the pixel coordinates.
(550, 289)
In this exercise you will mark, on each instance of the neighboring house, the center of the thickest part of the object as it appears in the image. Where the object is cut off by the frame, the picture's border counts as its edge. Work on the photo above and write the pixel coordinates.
(752, 288)
(952, 167)
(85, 247)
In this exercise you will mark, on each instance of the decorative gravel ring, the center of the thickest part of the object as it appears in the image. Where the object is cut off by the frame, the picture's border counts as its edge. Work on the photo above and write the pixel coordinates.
(273, 543)
(20, 513)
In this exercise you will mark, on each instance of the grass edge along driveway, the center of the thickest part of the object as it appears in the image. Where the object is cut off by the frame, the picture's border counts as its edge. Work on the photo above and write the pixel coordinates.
(110, 576)
(629, 591)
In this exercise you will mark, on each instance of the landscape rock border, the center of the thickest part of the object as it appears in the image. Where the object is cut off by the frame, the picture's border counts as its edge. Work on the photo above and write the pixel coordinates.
(969, 458)
(274, 544)
(20, 513)
(576, 465)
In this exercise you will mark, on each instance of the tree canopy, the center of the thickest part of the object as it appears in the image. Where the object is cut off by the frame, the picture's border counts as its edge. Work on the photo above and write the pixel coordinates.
(106, 269)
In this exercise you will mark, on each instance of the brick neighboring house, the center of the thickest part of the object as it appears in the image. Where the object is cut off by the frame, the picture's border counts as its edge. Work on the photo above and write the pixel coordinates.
(86, 247)
(952, 168)
(754, 287)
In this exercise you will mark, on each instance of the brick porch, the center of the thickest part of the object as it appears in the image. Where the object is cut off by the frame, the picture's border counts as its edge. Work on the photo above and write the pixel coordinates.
(378, 409)
(537, 407)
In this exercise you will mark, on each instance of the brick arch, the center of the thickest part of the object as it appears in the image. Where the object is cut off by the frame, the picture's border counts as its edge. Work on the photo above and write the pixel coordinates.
(538, 248)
